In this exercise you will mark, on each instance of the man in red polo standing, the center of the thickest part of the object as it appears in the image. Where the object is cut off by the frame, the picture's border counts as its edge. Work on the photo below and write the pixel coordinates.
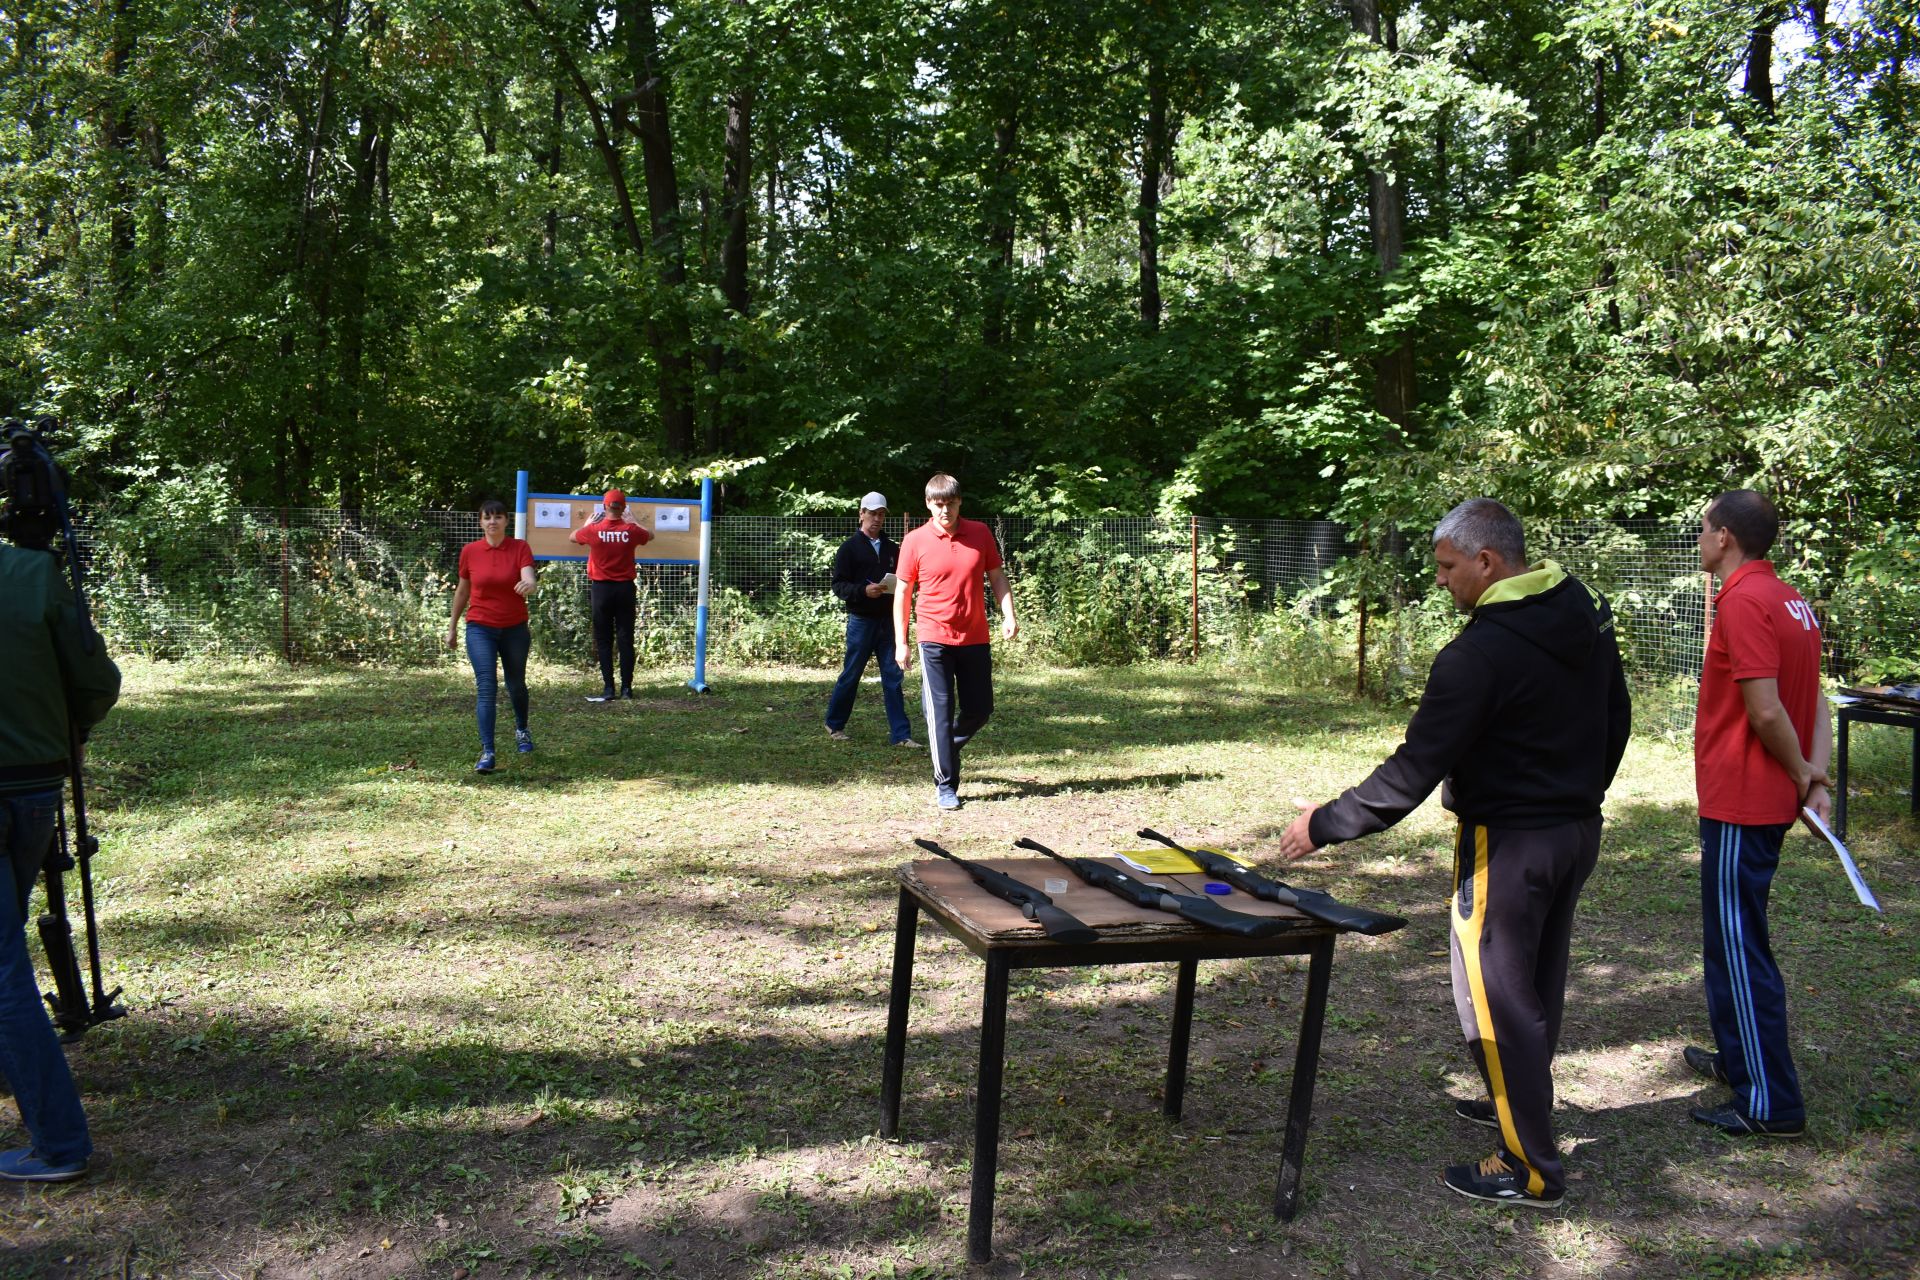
(1761, 740)
(611, 542)
(948, 563)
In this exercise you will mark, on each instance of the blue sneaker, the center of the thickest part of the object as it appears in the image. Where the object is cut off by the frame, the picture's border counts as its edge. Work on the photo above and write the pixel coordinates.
(485, 763)
(523, 741)
(946, 797)
(24, 1166)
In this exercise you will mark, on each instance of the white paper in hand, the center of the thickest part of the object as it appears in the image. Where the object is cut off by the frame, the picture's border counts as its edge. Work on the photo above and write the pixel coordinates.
(1846, 860)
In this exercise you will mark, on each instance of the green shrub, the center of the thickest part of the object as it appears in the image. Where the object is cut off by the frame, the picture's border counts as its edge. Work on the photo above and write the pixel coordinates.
(1083, 602)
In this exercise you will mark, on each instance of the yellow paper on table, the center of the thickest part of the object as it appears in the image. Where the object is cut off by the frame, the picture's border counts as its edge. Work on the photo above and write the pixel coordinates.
(1170, 862)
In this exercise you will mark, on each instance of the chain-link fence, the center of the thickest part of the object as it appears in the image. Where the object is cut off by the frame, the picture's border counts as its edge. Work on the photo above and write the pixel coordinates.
(321, 585)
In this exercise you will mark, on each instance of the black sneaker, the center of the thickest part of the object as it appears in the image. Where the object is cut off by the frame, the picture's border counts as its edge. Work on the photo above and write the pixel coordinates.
(1705, 1062)
(627, 693)
(1477, 1111)
(1495, 1180)
(1727, 1119)
(605, 695)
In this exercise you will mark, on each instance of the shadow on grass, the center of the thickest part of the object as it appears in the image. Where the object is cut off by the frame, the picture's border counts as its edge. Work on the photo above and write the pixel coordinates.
(189, 743)
(379, 1142)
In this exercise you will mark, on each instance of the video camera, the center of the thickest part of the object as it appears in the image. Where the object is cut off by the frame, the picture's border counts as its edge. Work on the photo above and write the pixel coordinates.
(33, 485)
(33, 510)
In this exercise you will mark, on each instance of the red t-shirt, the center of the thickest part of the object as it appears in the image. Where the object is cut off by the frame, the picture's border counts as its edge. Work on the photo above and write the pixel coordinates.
(610, 546)
(493, 571)
(1761, 629)
(950, 572)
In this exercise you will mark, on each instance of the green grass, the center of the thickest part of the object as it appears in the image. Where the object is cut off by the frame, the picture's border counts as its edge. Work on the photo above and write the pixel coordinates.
(617, 1009)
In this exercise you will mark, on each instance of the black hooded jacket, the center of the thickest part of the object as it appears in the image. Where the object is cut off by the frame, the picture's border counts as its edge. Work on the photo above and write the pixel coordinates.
(1525, 717)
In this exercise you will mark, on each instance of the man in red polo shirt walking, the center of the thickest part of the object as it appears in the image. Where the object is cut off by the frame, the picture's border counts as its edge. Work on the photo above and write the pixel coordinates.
(951, 561)
(611, 542)
(1760, 746)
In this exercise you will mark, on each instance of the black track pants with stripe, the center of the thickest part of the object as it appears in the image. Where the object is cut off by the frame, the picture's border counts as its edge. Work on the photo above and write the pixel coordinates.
(1513, 900)
(956, 697)
(1746, 996)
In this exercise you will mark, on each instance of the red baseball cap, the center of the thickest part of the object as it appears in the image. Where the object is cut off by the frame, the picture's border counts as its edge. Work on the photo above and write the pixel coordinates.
(613, 496)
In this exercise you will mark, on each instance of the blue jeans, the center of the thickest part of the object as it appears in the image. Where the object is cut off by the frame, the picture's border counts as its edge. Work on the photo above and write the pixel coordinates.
(30, 1053)
(869, 638)
(508, 646)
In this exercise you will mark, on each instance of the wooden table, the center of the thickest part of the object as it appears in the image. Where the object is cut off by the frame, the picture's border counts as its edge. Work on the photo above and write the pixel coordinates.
(995, 931)
(1851, 712)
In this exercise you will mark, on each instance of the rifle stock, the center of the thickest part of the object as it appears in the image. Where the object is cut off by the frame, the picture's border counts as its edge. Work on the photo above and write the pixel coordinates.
(1035, 905)
(1312, 902)
(68, 999)
(1185, 905)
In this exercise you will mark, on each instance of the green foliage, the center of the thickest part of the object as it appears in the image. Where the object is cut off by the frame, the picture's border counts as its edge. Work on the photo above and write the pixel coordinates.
(379, 256)
(1086, 603)
(1875, 613)
(807, 628)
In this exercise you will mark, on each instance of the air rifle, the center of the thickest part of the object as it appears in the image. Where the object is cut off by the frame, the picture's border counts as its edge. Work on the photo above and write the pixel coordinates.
(1034, 905)
(1310, 902)
(1185, 905)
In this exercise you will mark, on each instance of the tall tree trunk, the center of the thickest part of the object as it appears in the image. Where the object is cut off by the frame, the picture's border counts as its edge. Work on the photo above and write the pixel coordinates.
(1386, 221)
(735, 201)
(1759, 85)
(157, 217)
(1002, 203)
(294, 450)
(1606, 201)
(669, 330)
(363, 243)
(550, 236)
(118, 135)
(770, 255)
(1153, 166)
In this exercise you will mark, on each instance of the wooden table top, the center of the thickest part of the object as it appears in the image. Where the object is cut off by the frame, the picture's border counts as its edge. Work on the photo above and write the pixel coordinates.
(951, 891)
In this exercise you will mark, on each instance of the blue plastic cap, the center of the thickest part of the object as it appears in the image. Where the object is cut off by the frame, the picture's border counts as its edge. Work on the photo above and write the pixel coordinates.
(1217, 889)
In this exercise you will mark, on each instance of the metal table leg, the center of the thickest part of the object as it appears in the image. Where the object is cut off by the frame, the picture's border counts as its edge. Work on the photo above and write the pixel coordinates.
(986, 1115)
(1306, 1063)
(1840, 779)
(894, 1064)
(1177, 1043)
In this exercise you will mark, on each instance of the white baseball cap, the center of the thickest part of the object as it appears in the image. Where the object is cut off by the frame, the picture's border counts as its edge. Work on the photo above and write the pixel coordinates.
(875, 501)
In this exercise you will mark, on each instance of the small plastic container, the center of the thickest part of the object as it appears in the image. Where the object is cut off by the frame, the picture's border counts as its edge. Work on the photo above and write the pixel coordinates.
(1055, 886)
(1217, 889)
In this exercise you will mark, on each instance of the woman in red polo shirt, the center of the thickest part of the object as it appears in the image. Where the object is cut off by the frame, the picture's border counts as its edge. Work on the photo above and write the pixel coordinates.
(496, 577)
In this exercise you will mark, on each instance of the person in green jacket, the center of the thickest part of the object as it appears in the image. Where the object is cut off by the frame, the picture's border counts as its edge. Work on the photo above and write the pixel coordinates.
(59, 678)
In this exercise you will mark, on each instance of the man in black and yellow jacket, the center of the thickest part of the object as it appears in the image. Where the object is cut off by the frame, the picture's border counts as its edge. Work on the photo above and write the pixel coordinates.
(1524, 718)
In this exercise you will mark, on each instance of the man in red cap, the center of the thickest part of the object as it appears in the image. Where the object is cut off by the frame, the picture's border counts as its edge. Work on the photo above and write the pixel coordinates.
(611, 542)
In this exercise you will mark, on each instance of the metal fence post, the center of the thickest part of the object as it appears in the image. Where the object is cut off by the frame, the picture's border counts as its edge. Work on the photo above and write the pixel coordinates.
(286, 590)
(1360, 679)
(1193, 526)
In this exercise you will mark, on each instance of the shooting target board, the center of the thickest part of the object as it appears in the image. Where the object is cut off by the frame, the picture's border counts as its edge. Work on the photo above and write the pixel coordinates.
(673, 522)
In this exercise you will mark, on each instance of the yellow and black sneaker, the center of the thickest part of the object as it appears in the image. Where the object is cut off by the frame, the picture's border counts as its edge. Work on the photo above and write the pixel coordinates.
(1499, 1181)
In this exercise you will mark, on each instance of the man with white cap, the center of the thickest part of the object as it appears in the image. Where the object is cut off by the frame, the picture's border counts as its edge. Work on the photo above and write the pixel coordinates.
(860, 571)
(611, 542)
